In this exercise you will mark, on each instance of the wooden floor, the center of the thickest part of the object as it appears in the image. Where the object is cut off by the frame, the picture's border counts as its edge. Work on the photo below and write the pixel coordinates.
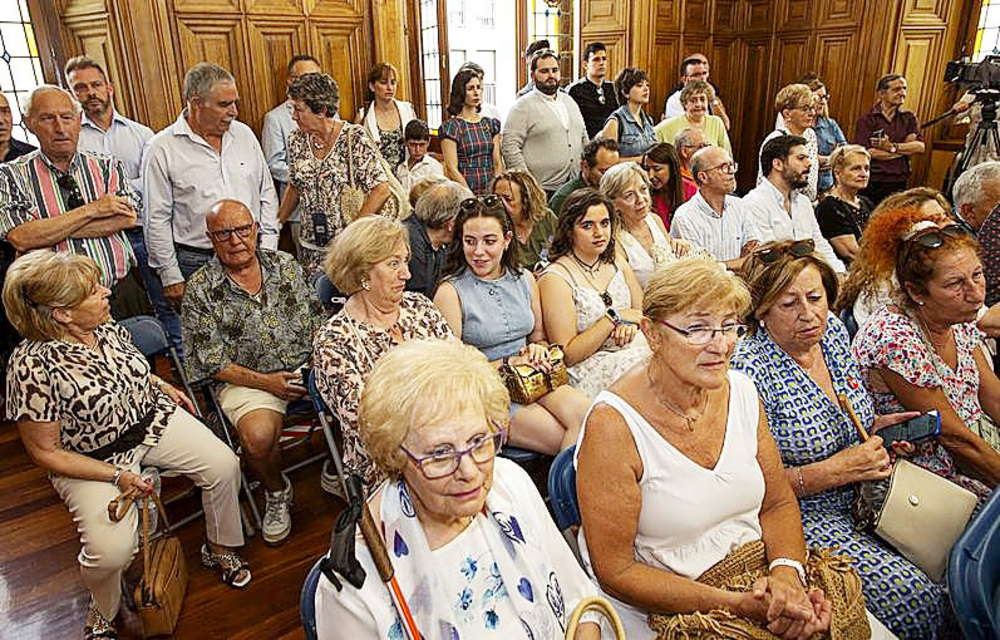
(43, 597)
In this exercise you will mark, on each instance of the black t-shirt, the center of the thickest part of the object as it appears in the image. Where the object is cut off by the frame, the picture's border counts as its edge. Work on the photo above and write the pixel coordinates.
(839, 218)
(596, 104)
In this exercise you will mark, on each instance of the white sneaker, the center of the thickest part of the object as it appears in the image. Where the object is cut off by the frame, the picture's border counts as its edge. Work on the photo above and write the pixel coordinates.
(329, 480)
(277, 514)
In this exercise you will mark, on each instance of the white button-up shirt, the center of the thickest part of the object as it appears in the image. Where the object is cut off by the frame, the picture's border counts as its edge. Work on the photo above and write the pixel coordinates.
(428, 167)
(183, 176)
(766, 205)
(724, 236)
(278, 125)
(124, 141)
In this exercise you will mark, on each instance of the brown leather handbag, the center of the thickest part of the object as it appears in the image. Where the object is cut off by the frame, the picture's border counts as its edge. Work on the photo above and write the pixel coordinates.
(527, 384)
(160, 593)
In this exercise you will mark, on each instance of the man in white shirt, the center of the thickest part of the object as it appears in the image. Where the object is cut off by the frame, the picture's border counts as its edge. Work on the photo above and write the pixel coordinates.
(205, 156)
(713, 218)
(544, 133)
(418, 165)
(278, 125)
(695, 67)
(778, 207)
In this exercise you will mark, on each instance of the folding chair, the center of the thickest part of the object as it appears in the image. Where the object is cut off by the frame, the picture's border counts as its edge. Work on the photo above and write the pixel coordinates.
(329, 295)
(562, 496)
(307, 602)
(327, 419)
(974, 574)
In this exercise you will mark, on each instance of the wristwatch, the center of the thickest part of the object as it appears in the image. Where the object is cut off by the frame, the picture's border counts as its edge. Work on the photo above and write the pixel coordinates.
(788, 562)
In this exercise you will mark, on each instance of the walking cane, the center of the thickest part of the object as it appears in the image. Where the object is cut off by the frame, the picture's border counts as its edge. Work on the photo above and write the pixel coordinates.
(341, 558)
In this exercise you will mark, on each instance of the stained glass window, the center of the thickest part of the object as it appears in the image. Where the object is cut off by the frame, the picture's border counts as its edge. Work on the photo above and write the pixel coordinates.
(20, 66)
(553, 20)
(988, 33)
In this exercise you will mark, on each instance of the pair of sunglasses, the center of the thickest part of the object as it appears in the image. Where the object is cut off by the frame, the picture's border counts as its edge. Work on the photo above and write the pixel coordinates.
(932, 238)
(798, 249)
(488, 201)
(68, 184)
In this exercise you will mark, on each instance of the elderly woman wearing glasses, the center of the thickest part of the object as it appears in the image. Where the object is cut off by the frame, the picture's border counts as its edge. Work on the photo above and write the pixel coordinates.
(799, 356)
(91, 413)
(492, 302)
(922, 351)
(474, 550)
(677, 471)
(695, 98)
(796, 104)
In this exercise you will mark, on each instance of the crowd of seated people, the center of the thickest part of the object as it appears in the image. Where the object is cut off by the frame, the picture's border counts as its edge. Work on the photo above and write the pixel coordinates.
(699, 331)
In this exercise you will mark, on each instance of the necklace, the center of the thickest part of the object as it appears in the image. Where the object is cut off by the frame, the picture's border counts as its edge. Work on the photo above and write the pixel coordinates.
(589, 271)
(689, 418)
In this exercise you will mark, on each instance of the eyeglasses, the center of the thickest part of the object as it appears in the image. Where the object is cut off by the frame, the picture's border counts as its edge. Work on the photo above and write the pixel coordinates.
(798, 249)
(727, 167)
(439, 465)
(69, 184)
(825, 98)
(696, 146)
(223, 235)
(703, 335)
(931, 238)
(807, 108)
(471, 204)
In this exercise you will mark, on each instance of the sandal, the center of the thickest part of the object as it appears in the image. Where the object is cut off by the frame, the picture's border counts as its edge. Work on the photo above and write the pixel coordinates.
(98, 627)
(235, 570)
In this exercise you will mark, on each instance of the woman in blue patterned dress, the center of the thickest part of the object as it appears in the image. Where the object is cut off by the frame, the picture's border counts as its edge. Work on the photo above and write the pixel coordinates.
(471, 542)
(470, 142)
(799, 356)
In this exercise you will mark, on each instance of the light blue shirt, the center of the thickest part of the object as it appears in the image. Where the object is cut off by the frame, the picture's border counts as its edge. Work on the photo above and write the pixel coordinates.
(278, 125)
(183, 176)
(724, 236)
(124, 141)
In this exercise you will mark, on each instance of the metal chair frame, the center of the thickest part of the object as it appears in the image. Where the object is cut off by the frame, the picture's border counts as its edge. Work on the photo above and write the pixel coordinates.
(307, 602)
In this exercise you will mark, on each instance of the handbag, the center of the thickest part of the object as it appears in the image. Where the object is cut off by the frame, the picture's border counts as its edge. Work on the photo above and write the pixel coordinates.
(160, 594)
(600, 605)
(527, 384)
(352, 197)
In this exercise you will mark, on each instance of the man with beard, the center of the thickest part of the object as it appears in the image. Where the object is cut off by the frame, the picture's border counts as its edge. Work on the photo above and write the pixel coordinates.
(205, 156)
(10, 148)
(248, 319)
(777, 205)
(544, 133)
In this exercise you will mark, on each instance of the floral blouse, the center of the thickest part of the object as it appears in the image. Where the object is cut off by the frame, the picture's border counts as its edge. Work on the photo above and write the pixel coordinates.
(321, 182)
(344, 353)
(94, 394)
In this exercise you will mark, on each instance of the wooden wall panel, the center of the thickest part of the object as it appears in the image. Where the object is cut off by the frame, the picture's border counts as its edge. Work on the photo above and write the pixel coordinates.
(221, 40)
(795, 14)
(272, 44)
(697, 15)
(604, 15)
(794, 58)
(339, 48)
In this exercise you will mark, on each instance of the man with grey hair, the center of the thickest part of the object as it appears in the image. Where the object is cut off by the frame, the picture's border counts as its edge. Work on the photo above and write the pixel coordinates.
(63, 198)
(976, 195)
(688, 142)
(431, 227)
(205, 156)
(714, 218)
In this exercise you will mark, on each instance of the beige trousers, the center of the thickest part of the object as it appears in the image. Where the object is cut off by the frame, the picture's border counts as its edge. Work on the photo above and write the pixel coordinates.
(187, 447)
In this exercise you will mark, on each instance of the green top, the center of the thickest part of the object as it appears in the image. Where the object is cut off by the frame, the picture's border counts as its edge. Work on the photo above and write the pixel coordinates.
(537, 249)
(563, 192)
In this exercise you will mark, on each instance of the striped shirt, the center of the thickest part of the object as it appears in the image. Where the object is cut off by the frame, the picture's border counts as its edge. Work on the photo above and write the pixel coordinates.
(723, 236)
(29, 191)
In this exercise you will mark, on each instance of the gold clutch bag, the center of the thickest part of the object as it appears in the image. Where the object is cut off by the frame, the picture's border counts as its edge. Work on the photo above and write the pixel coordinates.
(527, 384)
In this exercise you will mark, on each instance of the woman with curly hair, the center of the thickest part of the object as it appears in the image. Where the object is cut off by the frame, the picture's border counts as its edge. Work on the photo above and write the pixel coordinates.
(470, 142)
(534, 222)
(871, 279)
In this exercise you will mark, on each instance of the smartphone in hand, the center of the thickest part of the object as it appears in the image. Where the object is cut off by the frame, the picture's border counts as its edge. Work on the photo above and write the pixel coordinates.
(913, 430)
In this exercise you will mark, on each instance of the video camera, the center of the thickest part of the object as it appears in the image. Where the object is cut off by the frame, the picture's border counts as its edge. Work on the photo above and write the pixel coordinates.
(984, 74)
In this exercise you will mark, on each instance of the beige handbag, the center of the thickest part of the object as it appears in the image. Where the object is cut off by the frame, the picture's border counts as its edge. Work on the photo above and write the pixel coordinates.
(601, 605)
(923, 515)
(160, 594)
(352, 197)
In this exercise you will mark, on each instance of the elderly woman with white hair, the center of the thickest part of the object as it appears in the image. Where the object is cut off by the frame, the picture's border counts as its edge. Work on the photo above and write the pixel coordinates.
(473, 547)
(91, 413)
(430, 228)
(369, 262)
(643, 239)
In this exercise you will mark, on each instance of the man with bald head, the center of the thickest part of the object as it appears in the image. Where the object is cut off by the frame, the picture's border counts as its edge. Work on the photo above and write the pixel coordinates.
(63, 198)
(10, 147)
(714, 218)
(248, 317)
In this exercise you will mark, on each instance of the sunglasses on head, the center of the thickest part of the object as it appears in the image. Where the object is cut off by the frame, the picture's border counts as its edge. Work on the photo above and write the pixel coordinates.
(68, 184)
(932, 238)
(798, 249)
(488, 201)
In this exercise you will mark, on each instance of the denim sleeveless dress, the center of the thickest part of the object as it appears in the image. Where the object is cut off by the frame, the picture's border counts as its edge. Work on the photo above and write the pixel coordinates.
(633, 138)
(496, 314)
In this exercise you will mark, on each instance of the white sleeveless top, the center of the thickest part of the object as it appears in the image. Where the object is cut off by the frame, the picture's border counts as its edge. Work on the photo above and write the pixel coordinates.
(692, 517)
(642, 263)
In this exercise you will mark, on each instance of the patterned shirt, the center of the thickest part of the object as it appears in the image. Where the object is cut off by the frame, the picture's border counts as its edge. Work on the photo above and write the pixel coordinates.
(94, 394)
(475, 149)
(344, 353)
(268, 332)
(29, 190)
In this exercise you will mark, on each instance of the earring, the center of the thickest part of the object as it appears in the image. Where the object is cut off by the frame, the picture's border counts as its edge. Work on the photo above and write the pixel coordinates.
(365, 285)
(920, 303)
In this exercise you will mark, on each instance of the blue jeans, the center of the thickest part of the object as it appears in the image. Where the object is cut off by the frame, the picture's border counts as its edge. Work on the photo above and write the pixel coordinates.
(154, 289)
